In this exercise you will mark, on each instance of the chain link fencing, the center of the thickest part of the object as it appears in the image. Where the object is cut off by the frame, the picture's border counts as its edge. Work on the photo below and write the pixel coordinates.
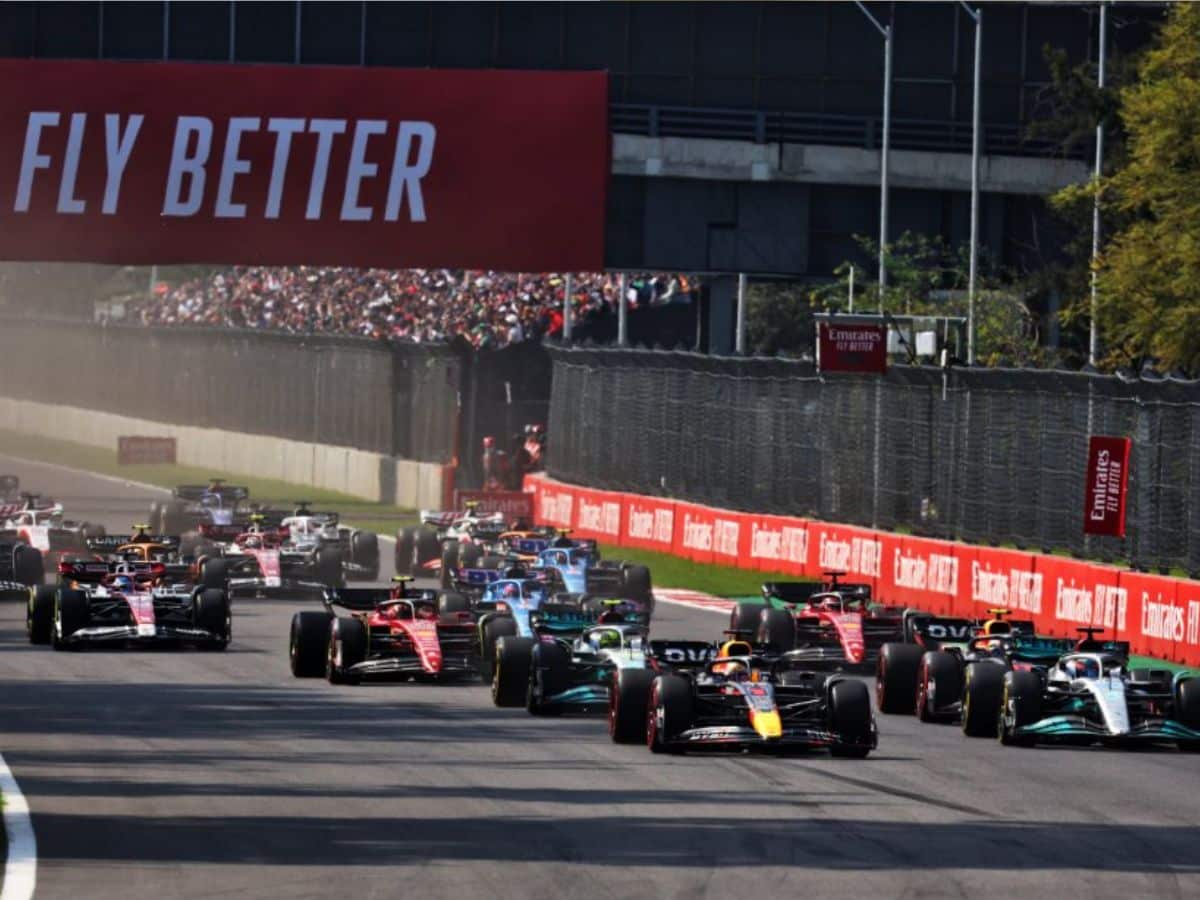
(985, 455)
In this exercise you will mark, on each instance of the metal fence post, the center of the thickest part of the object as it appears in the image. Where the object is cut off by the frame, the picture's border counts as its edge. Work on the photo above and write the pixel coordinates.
(623, 313)
(740, 334)
(568, 311)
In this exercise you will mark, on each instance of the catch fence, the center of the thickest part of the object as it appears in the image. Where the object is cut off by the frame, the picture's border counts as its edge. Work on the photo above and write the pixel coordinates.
(987, 456)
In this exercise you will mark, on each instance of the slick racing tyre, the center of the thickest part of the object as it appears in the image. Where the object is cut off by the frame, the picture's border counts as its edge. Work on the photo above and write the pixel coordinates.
(1020, 705)
(328, 567)
(492, 630)
(469, 556)
(39, 617)
(668, 712)
(743, 620)
(777, 629)
(172, 519)
(547, 677)
(628, 700)
(983, 688)
(364, 551)
(308, 644)
(449, 563)
(451, 603)
(510, 676)
(28, 566)
(1187, 710)
(426, 548)
(896, 678)
(939, 683)
(850, 719)
(214, 574)
(404, 551)
(71, 613)
(347, 648)
(635, 584)
(210, 611)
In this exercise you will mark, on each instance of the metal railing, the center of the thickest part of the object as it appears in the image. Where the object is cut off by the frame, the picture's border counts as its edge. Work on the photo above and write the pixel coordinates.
(763, 126)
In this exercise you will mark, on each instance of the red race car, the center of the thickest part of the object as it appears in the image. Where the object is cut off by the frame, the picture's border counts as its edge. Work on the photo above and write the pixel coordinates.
(833, 619)
(381, 632)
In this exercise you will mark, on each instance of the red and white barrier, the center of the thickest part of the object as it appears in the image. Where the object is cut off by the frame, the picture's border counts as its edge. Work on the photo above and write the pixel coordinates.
(1159, 616)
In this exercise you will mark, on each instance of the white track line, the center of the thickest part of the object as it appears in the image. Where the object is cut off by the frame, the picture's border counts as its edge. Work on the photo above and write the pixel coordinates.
(116, 479)
(20, 869)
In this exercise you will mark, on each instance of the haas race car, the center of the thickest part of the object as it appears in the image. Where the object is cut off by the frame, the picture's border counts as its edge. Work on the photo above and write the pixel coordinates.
(385, 633)
(748, 698)
(126, 603)
(40, 523)
(834, 617)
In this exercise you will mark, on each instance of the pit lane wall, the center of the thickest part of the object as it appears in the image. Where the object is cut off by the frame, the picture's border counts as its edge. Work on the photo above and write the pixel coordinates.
(360, 473)
(1159, 616)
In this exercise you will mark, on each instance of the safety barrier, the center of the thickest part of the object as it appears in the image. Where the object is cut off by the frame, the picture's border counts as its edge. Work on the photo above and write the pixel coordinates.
(359, 473)
(1159, 616)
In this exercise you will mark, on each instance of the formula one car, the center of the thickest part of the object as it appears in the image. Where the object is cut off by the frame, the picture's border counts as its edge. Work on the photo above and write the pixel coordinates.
(21, 568)
(306, 530)
(567, 665)
(417, 547)
(193, 505)
(744, 700)
(924, 674)
(39, 522)
(1088, 696)
(517, 606)
(126, 603)
(578, 568)
(833, 616)
(259, 562)
(140, 546)
(394, 632)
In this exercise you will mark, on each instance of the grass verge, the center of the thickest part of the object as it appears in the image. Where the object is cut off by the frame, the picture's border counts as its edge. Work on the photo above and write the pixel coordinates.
(672, 572)
(363, 514)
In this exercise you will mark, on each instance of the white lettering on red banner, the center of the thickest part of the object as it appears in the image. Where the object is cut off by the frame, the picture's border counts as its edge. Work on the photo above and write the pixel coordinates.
(857, 556)
(936, 573)
(726, 534)
(557, 507)
(1160, 619)
(1016, 589)
(604, 517)
(697, 535)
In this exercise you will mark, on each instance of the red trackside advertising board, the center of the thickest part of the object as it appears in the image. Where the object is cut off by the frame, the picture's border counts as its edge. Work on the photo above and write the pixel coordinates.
(1107, 480)
(139, 163)
(1159, 616)
(851, 348)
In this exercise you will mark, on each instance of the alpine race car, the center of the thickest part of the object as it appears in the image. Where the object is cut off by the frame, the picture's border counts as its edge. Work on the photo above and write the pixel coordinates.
(569, 662)
(21, 568)
(744, 700)
(1088, 696)
(193, 505)
(385, 632)
(259, 562)
(306, 530)
(126, 603)
(833, 616)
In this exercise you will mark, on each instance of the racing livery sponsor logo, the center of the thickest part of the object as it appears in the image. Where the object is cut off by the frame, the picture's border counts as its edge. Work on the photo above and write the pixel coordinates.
(697, 534)
(1015, 588)
(651, 523)
(948, 631)
(788, 543)
(681, 655)
(726, 533)
(604, 517)
(935, 572)
(858, 555)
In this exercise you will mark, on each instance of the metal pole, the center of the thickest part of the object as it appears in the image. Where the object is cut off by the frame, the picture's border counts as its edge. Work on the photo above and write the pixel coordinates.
(232, 30)
(167, 30)
(623, 314)
(1093, 331)
(852, 289)
(296, 37)
(568, 290)
(153, 281)
(739, 340)
(886, 31)
(977, 15)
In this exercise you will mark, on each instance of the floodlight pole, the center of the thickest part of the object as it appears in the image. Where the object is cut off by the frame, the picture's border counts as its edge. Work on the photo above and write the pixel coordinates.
(886, 31)
(851, 291)
(568, 289)
(1093, 331)
(739, 340)
(972, 278)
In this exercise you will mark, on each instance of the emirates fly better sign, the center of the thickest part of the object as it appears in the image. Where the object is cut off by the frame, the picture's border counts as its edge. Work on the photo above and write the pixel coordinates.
(851, 347)
(1107, 482)
(175, 162)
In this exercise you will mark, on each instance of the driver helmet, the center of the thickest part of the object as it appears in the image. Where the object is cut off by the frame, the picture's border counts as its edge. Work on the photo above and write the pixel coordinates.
(426, 612)
(608, 640)
(253, 542)
(511, 591)
(1076, 668)
(122, 583)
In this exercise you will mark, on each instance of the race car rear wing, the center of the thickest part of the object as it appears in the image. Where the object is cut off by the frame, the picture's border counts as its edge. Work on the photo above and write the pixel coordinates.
(110, 543)
(792, 591)
(193, 493)
(365, 599)
(683, 654)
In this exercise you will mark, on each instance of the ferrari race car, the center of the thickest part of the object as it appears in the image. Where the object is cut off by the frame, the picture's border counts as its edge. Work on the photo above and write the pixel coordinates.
(925, 674)
(39, 522)
(1088, 696)
(746, 700)
(382, 632)
(126, 603)
(569, 661)
(21, 568)
(261, 562)
(309, 531)
(833, 616)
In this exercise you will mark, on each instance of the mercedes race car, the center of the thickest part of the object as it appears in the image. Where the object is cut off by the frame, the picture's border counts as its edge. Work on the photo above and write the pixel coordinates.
(260, 562)
(1088, 696)
(746, 700)
(833, 616)
(126, 603)
(382, 632)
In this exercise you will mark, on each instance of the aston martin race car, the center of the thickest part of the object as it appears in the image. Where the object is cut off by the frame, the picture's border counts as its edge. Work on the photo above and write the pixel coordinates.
(745, 700)
(1089, 695)
(832, 615)
(259, 562)
(21, 568)
(385, 633)
(126, 603)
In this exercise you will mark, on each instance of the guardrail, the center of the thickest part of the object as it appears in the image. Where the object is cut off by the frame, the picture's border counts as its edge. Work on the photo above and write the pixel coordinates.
(765, 126)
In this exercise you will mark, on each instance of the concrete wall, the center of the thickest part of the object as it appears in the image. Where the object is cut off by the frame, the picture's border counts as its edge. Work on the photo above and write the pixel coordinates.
(721, 160)
(359, 473)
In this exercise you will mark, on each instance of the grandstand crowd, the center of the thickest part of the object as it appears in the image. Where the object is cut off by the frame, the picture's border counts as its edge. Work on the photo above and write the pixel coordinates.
(486, 309)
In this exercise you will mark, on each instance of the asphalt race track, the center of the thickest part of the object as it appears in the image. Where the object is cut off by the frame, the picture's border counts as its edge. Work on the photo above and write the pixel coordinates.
(185, 774)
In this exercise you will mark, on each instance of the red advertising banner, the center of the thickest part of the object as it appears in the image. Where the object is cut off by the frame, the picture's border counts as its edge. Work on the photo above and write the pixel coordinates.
(1158, 616)
(1107, 481)
(858, 552)
(156, 162)
(598, 514)
(921, 572)
(513, 504)
(135, 450)
(998, 579)
(851, 348)
(648, 522)
(777, 544)
(694, 531)
(1078, 594)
